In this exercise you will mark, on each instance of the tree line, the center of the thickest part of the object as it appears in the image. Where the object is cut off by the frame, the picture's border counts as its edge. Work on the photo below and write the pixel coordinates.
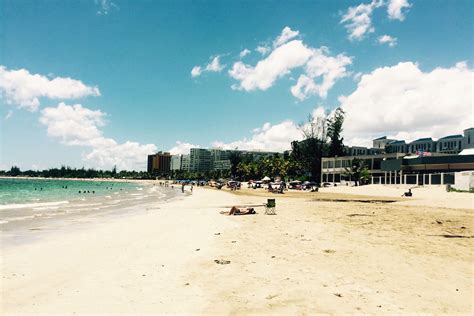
(81, 173)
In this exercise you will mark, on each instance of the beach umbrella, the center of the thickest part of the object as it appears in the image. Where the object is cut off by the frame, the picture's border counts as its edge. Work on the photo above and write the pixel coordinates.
(266, 178)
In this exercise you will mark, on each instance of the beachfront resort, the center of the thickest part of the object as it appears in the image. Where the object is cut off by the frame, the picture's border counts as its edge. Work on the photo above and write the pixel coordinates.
(236, 157)
(446, 161)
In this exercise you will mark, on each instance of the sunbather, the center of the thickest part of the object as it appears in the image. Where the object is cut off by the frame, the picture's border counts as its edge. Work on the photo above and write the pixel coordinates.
(239, 211)
(407, 194)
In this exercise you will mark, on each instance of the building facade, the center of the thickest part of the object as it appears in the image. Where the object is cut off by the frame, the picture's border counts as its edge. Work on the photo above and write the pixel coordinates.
(159, 163)
(390, 161)
(203, 160)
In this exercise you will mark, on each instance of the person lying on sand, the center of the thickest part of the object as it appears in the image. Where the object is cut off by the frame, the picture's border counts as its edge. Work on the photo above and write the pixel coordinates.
(239, 211)
(408, 194)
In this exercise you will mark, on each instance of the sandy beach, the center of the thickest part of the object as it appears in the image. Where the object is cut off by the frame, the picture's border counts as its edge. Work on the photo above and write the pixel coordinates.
(341, 250)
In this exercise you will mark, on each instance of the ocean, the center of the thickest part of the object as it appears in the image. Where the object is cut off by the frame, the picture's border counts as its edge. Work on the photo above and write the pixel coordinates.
(38, 204)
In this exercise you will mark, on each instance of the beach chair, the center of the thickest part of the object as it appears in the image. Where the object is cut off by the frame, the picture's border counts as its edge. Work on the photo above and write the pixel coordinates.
(270, 207)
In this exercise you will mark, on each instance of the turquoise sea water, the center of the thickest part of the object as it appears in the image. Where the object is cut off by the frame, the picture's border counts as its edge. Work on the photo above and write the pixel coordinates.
(30, 208)
(26, 191)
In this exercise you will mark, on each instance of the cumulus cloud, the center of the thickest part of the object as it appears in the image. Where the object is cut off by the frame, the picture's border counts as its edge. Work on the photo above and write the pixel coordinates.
(321, 64)
(395, 8)
(263, 49)
(213, 66)
(196, 71)
(182, 148)
(269, 137)
(286, 34)
(23, 89)
(387, 39)
(279, 63)
(320, 69)
(244, 53)
(404, 102)
(76, 125)
(73, 124)
(274, 137)
(358, 20)
(129, 155)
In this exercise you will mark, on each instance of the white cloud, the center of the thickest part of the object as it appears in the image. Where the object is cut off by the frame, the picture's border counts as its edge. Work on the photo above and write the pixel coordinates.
(73, 124)
(286, 34)
(287, 56)
(244, 53)
(272, 137)
(404, 102)
(196, 71)
(269, 137)
(321, 65)
(24, 89)
(263, 49)
(76, 125)
(214, 66)
(104, 7)
(279, 63)
(395, 9)
(129, 155)
(358, 20)
(387, 39)
(182, 148)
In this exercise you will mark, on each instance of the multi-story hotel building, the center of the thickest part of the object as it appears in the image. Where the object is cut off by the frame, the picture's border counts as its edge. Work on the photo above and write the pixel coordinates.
(159, 163)
(388, 163)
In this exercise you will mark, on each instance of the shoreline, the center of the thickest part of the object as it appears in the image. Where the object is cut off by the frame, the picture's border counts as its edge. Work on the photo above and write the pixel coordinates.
(312, 257)
(78, 179)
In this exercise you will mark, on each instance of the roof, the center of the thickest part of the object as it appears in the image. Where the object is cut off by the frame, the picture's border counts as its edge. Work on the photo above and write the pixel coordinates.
(380, 138)
(452, 136)
(469, 129)
(423, 139)
(396, 142)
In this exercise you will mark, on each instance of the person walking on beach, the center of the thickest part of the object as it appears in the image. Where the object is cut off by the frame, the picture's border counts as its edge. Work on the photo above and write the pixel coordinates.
(182, 187)
(191, 188)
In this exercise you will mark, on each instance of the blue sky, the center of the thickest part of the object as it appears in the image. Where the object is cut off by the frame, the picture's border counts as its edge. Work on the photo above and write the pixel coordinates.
(138, 56)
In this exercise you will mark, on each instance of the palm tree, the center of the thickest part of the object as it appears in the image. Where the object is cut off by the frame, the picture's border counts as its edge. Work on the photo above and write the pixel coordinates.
(359, 172)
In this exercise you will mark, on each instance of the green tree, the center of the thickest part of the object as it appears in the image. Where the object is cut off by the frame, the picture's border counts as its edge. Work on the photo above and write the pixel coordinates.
(312, 148)
(15, 171)
(235, 158)
(358, 172)
(334, 130)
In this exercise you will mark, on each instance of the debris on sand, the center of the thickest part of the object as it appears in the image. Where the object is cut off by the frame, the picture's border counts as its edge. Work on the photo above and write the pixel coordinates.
(338, 294)
(357, 214)
(220, 261)
(329, 251)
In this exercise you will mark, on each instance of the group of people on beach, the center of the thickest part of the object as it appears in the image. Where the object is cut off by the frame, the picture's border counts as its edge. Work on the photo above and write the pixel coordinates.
(277, 189)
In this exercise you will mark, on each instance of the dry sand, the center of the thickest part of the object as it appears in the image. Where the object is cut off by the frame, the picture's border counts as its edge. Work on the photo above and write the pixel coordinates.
(359, 254)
